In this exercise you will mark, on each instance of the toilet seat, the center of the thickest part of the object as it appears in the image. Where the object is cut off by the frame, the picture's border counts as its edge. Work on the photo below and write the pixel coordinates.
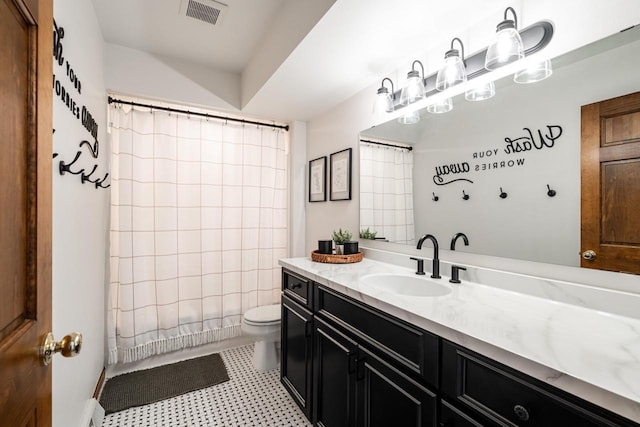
(265, 315)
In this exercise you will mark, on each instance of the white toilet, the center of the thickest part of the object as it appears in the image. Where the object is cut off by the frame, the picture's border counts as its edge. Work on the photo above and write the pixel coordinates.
(263, 323)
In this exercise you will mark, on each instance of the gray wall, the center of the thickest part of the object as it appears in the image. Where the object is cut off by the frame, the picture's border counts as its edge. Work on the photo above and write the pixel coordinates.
(527, 224)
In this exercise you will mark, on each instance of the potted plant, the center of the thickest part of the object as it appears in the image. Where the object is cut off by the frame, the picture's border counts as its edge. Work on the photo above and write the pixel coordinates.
(341, 237)
(366, 234)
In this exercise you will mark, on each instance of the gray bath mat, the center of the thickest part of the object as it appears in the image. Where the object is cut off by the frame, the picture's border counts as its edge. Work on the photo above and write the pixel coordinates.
(152, 385)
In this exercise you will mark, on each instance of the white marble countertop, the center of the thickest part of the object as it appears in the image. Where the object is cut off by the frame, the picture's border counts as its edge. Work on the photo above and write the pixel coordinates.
(594, 346)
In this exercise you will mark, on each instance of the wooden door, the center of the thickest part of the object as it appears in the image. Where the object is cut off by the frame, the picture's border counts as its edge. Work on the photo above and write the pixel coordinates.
(610, 196)
(26, 43)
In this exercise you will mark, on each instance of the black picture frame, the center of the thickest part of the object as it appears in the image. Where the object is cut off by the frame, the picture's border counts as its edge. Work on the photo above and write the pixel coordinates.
(318, 179)
(340, 177)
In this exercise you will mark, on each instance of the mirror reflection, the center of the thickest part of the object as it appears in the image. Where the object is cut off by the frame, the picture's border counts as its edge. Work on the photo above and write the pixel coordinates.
(505, 171)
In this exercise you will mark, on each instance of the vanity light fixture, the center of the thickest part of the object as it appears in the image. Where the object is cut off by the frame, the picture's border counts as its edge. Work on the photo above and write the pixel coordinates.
(507, 46)
(414, 89)
(491, 61)
(409, 118)
(454, 70)
(384, 100)
(535, 72)
(481, 92)
(441, 107)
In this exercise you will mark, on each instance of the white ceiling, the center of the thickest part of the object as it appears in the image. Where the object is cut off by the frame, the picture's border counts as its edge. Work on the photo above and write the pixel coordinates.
(296, 58)
(155, 26)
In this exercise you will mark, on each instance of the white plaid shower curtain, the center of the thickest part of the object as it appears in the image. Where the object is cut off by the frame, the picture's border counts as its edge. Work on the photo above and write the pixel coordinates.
(198, 222)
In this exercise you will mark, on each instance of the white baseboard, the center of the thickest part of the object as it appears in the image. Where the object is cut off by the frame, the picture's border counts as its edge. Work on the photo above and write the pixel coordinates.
(92, 415)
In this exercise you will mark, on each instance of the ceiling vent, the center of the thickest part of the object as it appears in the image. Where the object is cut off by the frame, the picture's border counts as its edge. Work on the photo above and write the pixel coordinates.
(209, 11)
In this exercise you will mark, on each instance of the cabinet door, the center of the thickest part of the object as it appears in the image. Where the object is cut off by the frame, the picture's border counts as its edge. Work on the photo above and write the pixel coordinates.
(335, 377)
(296, 358)
(387, 397)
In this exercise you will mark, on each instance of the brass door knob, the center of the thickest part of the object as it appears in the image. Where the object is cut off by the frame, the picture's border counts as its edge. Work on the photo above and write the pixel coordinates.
(589, 255)
(69, 346)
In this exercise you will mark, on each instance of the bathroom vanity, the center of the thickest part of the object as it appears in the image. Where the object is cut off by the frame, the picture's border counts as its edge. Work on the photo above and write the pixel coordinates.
(358, 352)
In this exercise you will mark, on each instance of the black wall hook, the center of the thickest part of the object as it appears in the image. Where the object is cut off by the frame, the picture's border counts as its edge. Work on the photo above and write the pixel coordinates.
(503, 195)
(92, 148)
(63, 168)
(435, 198)
(84, 177)
(99, 182)
(465, 196)
(551, 193)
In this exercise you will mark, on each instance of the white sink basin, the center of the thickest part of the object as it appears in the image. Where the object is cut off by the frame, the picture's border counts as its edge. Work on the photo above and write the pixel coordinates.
(403, 284)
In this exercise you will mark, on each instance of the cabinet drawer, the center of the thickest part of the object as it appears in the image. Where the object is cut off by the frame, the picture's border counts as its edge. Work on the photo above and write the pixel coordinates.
(452, 417)
(406, 345)
(297, 288)
(511, 398)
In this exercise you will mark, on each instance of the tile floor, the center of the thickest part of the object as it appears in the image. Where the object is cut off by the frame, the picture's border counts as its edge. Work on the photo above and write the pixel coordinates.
(249, 398)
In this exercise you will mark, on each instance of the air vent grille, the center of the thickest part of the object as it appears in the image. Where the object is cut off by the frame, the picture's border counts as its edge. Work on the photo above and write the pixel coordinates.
(206, 11)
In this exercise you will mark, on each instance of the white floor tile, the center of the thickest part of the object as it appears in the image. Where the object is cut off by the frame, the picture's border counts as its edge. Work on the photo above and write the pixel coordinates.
(249, 398)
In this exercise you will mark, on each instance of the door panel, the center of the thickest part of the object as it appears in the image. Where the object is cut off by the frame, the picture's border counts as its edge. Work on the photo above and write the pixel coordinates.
(620, 202)
(14, 134)
(387, 397)
(296, 359)
(26, 29)
(610, 172)
(335, 377)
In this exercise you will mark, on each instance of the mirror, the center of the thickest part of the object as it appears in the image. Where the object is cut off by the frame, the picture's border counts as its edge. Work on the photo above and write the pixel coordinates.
(505, 171)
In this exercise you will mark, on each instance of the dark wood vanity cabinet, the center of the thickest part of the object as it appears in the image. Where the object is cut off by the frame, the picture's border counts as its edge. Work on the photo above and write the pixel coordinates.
(296, 345)
(370, 369)
(348, 364)
(355, 387)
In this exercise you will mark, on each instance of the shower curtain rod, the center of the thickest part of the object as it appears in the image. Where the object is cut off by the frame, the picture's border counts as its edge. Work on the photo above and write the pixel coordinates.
(192, 113)
(403, 147)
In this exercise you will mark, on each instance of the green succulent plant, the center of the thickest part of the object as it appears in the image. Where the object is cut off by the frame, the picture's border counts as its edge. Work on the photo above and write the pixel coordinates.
(341, 237)
(367, 234)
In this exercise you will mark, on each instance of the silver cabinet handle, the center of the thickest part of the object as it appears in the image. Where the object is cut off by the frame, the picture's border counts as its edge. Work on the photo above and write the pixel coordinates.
(521, 412)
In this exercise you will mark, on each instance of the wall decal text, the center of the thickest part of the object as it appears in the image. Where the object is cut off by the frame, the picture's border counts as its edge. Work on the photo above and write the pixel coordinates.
(537, 140)
(529, 142)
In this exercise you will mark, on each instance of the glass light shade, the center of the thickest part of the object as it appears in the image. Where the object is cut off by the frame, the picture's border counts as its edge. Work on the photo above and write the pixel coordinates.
(481, 92)
(383, 102)
(414, 90)
(506, 48)
(535, 72)
(443, 106)
(452, 72)
(409, 118)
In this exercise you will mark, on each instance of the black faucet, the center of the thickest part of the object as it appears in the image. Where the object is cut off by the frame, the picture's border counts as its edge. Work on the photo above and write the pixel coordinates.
(435, 268)
(455, 273)
(420, 270)
(455, 238)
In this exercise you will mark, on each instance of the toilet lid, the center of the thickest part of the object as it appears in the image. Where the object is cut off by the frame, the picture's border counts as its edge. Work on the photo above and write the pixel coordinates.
(263, 314)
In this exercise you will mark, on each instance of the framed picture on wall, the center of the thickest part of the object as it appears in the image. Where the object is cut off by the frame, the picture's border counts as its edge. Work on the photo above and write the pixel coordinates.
(318, 179)
(340, 181)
